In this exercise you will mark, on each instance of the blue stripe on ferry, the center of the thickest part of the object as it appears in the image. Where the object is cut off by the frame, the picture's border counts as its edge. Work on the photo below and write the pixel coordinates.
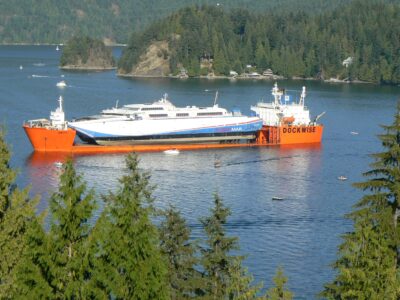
(254, 126)
(93, 134)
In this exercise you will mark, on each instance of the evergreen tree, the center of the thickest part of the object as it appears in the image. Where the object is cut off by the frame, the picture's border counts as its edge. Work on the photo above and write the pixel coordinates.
(368, 265)
(240, 286)
(183, 278)
(128, 259)
(17, 212)
(32, 272)
(279, 291)
(260, 58)
(224, 276)
(216, 258)
(71, 208)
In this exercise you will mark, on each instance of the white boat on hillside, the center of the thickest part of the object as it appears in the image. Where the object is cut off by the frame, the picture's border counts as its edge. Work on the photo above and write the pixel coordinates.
(161, 122)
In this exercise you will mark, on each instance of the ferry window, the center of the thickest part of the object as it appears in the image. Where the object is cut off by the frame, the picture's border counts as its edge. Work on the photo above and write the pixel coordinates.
(158, 115)
(152, 108)
(182, 115)
(210, 113)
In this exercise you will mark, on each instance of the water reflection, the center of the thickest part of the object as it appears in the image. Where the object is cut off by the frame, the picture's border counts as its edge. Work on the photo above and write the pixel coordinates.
(247, 179)
(43, 171)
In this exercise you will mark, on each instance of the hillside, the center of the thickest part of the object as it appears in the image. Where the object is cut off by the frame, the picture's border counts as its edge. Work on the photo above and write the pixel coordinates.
(365, 34)
(45, 21)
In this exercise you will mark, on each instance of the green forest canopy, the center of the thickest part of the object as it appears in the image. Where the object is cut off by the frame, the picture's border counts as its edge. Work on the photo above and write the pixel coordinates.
(79, 49)
(46, 21)
(291, 44)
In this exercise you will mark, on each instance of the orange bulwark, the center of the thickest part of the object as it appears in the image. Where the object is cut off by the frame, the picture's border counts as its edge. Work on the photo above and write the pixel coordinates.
(287, 135)
(47, 139)
(300, 134)
(52, 140)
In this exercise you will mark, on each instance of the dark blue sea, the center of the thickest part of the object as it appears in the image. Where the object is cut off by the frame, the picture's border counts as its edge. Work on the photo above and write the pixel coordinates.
(300, 233)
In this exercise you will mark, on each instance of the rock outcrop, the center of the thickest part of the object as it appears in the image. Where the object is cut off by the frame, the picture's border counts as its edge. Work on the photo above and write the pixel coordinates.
(153, 63)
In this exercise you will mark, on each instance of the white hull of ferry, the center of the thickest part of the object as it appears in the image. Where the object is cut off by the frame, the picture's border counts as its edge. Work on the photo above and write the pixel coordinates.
(124, 130)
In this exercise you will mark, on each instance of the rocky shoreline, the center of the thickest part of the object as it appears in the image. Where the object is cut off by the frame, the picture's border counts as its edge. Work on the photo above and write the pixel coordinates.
(81, 68)
(261, 77)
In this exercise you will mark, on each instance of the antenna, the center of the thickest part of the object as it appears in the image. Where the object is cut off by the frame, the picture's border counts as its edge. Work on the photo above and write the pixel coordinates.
(302, 96)
(216, 97)
(60, 100)
(116, 103)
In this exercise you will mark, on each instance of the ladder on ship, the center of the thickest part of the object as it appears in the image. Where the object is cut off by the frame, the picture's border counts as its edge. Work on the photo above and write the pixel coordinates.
(273, 135)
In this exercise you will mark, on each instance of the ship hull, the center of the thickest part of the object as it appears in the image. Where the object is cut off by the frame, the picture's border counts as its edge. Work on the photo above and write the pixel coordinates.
(300, 134)
(178, 139)
(290, 134)
(47, 139)
(120, 131)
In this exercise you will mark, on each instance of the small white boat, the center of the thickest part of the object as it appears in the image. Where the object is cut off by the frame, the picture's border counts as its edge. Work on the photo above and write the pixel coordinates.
(58, 164)
(21, 67)
(171, 151)
(57, 49)
(277, 198)
(354, 132)
(342, 178)
(61, 84)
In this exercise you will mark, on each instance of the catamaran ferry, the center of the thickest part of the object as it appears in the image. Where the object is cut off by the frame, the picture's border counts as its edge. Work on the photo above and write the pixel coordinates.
(163, 123)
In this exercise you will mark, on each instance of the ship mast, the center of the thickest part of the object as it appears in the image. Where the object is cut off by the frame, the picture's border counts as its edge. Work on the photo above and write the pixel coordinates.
(302, 96)
(60, 100)
(277, 93)
(216, 98)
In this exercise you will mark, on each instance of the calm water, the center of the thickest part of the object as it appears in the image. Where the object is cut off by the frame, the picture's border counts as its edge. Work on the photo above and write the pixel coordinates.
(300, 233)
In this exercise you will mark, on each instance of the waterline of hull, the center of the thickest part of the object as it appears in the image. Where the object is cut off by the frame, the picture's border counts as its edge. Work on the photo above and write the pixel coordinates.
(187, 140)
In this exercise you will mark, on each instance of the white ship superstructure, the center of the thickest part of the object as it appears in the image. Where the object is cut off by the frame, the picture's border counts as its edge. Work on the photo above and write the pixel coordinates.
(279, 112)
(161, 123)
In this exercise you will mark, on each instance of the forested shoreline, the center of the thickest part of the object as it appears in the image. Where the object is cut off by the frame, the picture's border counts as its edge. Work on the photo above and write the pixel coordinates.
(356, 42)
(55, 22)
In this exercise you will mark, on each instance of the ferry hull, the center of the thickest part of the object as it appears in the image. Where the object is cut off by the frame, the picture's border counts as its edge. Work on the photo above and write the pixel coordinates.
(160, 140)
(123, 131)
(47, 140)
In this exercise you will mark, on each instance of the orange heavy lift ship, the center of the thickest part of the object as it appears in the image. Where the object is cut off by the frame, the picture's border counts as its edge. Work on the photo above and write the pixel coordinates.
(283, 124)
